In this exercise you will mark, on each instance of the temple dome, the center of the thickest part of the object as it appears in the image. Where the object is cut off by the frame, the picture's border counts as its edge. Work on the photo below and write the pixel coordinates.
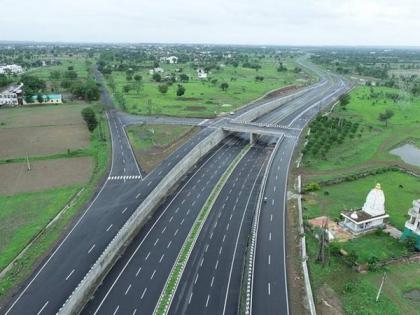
(375, 202)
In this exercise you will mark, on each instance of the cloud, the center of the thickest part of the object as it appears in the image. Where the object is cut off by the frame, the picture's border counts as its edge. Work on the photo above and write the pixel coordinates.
(299, 22)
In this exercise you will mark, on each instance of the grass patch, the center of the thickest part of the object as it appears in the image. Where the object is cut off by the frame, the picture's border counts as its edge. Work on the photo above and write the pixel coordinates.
(202, 97)
(153, 143)
(372, 141)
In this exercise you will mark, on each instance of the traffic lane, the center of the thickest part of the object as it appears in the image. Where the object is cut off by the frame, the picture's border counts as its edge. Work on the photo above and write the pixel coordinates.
(269, 281)
(211, 260)
(164, 235)
(65, 267)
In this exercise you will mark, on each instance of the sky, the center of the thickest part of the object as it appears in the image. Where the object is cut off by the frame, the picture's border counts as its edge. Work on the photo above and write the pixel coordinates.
(259, 22)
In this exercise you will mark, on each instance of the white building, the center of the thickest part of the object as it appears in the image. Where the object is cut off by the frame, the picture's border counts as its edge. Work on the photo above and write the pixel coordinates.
(170, 59)
(12, 95)
(10, 69)
(412, 225)
(156, 70)
(370, 217)
(201, 73)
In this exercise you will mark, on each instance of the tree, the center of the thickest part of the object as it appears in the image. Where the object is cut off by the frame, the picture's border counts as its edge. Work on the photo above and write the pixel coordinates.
(385, 116)
(157, 77)
(70, 74)
(259, 78)
(344, 99)
(180, 91)
(55, 75)
(89, 117)
(127, 88)
(184, 78)
(163, 88)
(224, 86)
(138, 78)
(39, 98)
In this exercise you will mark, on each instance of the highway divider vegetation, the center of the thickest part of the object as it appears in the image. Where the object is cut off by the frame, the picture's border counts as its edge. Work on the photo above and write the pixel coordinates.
(176, 273)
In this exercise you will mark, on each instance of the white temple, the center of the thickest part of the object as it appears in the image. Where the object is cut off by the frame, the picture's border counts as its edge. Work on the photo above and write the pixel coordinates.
(371, 216)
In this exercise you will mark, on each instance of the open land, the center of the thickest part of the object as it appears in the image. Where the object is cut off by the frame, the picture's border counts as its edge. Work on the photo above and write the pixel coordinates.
(153, 143)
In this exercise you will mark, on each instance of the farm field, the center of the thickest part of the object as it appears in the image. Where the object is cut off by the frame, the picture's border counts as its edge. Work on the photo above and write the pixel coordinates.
(202, 98)
(31, 199)
(153, 143)
(45, 174)
(38, 133)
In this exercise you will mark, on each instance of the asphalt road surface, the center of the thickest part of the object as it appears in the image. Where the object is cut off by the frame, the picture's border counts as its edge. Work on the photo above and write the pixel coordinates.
(136, 281)
(60, 272)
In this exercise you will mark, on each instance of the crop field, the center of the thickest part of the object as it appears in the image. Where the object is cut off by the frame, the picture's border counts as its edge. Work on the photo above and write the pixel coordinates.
(44, 175)
(35, 132)
(153, 143)
(203, 98)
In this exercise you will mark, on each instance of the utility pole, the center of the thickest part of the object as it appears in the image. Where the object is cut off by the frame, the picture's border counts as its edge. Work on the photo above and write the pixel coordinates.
(380, 287)
(28, 164)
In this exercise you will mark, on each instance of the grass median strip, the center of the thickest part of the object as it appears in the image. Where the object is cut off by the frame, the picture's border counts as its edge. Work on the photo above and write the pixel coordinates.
(182, 259)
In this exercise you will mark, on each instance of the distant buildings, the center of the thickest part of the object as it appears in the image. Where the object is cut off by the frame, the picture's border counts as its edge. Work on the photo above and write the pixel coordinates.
(170, 59)
(10, 69)
(48, 99)
(156, 70)
(201, 73)
(12, 95)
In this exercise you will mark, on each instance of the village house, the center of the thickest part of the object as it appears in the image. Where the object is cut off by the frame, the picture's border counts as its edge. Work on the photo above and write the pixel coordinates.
(201, 73)
(10, 69)
(170, 59)
(412, 226)
(156, 70)
(48, 99)
(12, 95)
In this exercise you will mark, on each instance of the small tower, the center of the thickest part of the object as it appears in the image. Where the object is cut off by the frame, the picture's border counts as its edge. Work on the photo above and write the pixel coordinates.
(412, 226)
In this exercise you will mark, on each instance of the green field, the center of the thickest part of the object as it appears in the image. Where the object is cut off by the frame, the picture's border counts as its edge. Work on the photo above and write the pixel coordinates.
(331, 200)
(25, 215)
(357, 292)
(153, 143)
(202, 98)
(371, 148)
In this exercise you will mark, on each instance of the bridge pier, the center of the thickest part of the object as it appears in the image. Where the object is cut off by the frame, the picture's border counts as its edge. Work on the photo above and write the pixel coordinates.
(252, 138)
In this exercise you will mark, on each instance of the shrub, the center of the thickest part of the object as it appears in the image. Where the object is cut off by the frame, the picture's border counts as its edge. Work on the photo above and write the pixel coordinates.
(311, 187)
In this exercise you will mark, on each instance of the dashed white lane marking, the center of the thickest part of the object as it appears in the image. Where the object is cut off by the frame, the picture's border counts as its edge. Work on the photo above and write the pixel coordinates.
(153, 274)
(182, 222)
(116, 310)
(208, 298)
(176, 232)
(138, 195)
(148, 254)
(148, 184)
(138, 271)
(269, 288)
(271, 217)
(109, 227)
(171, 218)
(207, 247)
(169, 244)
(201, 263)
(196, 278)
(144, 292)
(189, 301)
(272, 202)
(43, 307)
(188, 211)
(157, 240)
(217, 264)
(161, 258)
(212, 280)
(91, 248)
(275, 188)
(269, 236)
(128, 289)
(164, 229)
(69, 275)
(134, 312)
(269, 259)
(125, 209)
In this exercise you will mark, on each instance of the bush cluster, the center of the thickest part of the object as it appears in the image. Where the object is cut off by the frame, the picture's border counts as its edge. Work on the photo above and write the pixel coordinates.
(327, 132)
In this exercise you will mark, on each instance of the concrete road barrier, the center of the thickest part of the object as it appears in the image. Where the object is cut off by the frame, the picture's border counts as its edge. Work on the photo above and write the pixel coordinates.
(122, 239)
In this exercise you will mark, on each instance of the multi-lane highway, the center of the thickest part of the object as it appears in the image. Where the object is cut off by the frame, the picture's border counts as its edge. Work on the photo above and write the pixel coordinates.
(211, 282)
